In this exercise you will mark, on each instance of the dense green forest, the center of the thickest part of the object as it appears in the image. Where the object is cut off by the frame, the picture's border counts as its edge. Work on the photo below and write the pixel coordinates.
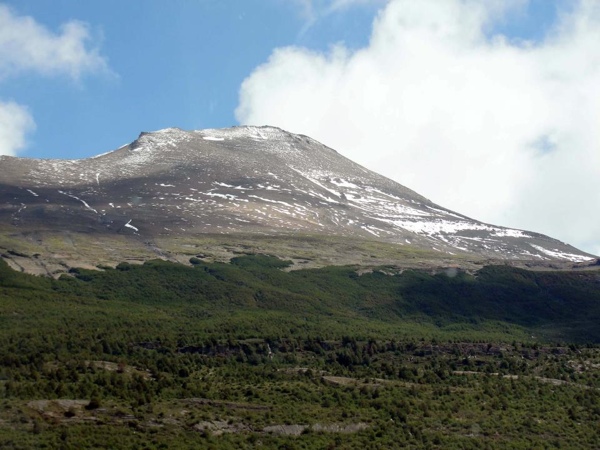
(249, 354)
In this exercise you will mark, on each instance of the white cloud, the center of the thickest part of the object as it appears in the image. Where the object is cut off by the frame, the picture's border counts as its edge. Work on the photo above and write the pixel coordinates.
(15, 123)
(27, 45)
(505, 132)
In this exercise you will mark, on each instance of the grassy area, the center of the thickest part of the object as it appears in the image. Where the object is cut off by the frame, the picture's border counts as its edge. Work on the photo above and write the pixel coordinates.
(51, 252)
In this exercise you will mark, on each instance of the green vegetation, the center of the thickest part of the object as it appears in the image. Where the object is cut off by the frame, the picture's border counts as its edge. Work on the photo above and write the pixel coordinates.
(246, 354)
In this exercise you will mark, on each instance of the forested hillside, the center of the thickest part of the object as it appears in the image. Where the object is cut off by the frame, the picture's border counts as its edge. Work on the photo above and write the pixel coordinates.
(163, 355)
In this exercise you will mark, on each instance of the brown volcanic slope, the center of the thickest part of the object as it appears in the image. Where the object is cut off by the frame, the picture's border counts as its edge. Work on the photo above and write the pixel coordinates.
(176, 194)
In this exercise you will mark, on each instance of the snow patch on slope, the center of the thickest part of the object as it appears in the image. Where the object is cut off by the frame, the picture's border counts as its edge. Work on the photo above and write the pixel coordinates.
(77, 198)
(561, 255)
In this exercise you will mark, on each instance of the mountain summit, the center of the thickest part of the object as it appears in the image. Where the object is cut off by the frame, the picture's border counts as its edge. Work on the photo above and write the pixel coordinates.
(259, 181)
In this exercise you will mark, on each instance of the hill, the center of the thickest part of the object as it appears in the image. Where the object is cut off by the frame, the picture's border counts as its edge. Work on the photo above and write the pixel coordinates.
(163, 355)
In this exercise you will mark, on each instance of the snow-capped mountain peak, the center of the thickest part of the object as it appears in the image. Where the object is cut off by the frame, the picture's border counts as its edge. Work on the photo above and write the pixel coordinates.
(247, 180)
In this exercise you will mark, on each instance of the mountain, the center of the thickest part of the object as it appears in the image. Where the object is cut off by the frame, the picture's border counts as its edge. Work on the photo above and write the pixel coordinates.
(176, 194)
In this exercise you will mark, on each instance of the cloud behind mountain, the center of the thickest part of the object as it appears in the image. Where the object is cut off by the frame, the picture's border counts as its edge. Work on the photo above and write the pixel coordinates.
(501, 129)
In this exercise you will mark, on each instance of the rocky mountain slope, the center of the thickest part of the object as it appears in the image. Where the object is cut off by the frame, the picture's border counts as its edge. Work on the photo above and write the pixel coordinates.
(256, 181)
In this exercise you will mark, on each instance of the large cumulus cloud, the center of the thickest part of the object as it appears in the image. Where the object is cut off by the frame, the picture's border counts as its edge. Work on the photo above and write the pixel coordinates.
(505, 131)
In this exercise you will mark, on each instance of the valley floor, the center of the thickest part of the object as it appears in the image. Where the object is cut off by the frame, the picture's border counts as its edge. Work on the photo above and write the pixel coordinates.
(311, 394)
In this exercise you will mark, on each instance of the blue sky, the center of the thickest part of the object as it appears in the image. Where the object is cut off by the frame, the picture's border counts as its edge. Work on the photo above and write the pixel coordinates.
(486, 107)
(176, 63)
